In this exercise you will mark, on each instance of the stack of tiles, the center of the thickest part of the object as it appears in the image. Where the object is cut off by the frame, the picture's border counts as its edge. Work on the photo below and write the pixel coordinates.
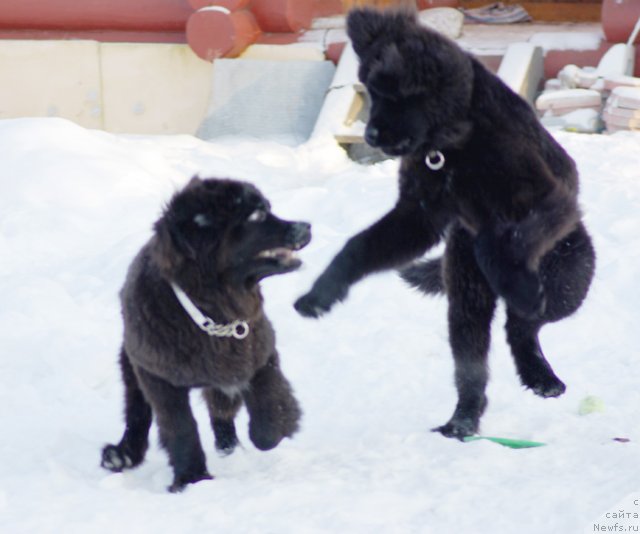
(622, 110)
(576, 110)
(563, 101)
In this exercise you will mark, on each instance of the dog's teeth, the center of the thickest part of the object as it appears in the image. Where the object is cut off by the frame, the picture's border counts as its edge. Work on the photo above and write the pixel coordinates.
(283, 253)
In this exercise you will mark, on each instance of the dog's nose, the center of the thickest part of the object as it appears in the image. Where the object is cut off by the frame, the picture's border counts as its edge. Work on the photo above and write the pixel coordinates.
(300, 234)
(371, 135)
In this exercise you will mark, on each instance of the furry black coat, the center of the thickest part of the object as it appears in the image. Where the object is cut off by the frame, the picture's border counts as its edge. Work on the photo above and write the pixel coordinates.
(479, 171)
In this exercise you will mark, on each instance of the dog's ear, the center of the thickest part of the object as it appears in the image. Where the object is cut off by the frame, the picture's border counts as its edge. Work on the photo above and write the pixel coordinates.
(171, 246)
(365, 25)
(194, 182)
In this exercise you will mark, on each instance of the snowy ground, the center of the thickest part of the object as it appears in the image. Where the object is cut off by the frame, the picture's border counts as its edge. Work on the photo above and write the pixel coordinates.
(373, 377)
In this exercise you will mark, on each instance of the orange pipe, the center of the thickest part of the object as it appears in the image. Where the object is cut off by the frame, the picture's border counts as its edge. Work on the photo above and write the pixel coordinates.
(213, 33)
(283, 15)
(140, 15)
(231, 5)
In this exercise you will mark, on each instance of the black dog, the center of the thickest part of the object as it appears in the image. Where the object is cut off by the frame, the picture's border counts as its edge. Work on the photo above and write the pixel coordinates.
(214, 243)
(479, 170)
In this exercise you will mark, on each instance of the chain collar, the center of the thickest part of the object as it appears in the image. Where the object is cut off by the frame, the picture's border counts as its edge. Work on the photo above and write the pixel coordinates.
(238, 329)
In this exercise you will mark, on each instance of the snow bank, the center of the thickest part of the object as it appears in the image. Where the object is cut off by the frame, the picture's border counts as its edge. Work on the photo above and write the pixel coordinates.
(373, 377)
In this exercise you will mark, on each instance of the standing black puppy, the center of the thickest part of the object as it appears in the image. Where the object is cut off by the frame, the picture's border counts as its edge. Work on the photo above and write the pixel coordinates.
(480, 171)
(193, 317)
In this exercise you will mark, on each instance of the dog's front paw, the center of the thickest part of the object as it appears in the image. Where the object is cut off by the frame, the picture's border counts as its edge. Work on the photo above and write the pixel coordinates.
(226, 438)
(269, 426)
(309, 305)
(545, 386)
(180, 482)
(116, 459)
(458, 428)
(320, 299)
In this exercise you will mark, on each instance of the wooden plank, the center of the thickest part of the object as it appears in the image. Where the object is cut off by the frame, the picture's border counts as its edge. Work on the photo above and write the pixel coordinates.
(551, 11)
(349, 138)
(354, 110)
(350, 134)
(339, 102)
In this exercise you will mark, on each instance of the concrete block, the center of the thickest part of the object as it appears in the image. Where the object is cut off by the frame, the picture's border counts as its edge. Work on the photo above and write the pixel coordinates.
(51, 79)
(522, 69)
(153, 88)
(277, 100)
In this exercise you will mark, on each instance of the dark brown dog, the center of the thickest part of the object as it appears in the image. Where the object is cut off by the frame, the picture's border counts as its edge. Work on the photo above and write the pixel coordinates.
(214, 243)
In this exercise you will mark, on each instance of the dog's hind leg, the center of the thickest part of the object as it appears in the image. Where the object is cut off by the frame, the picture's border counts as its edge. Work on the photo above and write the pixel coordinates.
(135, 440)
(471, 308)
(178, 429)
(222, 411)
(273, 410)
(533, 368)
(566, 273)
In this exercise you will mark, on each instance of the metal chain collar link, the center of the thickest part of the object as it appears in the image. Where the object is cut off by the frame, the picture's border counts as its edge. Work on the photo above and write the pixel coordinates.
(237, 329)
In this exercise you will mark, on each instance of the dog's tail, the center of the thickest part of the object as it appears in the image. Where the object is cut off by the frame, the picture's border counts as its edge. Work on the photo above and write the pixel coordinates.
(425, 276)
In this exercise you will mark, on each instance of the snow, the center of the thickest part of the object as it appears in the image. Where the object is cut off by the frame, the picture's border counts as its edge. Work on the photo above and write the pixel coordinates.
(373, 377)
(575, 40)
(483, 39)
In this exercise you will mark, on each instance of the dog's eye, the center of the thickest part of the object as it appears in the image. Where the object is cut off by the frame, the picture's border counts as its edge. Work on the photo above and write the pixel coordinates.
(258, 215)
(202, 220)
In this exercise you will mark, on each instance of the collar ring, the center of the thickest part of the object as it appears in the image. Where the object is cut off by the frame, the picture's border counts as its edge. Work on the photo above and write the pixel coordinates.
(434, 160)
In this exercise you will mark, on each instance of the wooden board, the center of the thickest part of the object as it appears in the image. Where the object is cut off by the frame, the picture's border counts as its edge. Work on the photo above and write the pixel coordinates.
(552, 11)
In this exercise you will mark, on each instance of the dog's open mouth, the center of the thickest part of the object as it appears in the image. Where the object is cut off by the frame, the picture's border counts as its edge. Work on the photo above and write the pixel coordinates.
(279, 256)
(283, 255)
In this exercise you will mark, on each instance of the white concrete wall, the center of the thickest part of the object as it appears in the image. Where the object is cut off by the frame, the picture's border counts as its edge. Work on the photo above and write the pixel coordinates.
(51, 79)
(119, 87)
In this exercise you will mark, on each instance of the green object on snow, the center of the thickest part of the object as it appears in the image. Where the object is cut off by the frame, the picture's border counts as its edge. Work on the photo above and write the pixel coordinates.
(508, 442)
(591, 404)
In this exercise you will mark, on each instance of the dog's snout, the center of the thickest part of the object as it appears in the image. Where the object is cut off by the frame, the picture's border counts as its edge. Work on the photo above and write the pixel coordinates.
(300, 233)
(371, 135)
